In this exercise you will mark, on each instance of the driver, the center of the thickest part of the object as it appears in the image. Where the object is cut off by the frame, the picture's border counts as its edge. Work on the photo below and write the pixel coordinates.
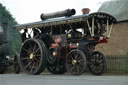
(24, 35)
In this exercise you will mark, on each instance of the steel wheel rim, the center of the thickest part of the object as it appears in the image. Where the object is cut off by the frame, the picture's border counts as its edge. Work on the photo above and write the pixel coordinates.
(97, 63)
(31, 56)
(75, 63)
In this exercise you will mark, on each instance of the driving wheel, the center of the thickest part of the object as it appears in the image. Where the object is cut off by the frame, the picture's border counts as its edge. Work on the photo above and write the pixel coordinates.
(33, 56)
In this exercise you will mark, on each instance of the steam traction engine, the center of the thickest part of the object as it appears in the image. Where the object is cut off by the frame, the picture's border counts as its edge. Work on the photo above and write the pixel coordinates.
(62, 42)
(4, 48)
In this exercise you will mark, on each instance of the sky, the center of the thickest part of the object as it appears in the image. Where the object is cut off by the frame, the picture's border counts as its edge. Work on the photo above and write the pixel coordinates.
(26, 11)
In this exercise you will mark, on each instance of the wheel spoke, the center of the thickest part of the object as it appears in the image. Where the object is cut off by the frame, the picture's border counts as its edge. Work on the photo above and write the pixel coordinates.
(25, 50)
(78, 68)
(93, 67)
(72, 69)
(80, 61)
(30, 45)
(33, 66)
(36, 65)
(70, 57)
(28, 65)
(36, 50)
(25, 58)
(37, 54)
(76, 56)
(37, 57)
(38, 60)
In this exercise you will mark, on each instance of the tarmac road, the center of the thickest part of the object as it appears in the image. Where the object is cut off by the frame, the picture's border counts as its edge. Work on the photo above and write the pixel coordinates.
(49, 79)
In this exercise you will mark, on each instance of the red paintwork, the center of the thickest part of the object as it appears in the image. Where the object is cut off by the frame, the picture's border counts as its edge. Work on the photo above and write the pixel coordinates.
(102, 40)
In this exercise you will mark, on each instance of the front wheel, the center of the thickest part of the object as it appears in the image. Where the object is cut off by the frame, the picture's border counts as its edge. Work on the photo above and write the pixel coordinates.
(97, 63)
(76, 62)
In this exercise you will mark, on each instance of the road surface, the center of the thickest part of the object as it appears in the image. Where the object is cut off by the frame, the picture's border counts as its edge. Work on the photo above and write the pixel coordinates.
(49, 79)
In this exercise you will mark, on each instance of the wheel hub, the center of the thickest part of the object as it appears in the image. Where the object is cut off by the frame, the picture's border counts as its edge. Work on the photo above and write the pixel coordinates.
(74, 62)
(31, 56)
(54, 53)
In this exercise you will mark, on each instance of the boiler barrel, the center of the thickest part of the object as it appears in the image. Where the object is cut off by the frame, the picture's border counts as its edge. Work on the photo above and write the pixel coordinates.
(68, 12)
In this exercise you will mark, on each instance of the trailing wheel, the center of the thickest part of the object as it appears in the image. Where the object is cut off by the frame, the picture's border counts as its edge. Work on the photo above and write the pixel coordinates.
(33, 56)
(97, 63)
(76, 62)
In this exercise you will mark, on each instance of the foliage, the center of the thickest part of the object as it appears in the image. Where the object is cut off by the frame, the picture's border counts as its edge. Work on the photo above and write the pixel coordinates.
(13, 36)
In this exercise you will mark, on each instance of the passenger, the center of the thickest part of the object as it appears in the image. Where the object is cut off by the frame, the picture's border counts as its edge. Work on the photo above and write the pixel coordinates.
(35, 32)
(24, 35)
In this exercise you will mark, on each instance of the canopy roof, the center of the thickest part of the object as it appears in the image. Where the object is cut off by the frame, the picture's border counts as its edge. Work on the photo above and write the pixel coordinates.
(99, 17)
(117, 8)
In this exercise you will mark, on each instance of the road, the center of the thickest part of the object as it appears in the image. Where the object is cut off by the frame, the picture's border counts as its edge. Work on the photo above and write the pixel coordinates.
(49, 79)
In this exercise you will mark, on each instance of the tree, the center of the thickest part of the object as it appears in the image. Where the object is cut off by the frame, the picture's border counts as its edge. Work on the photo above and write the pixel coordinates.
(13, 36)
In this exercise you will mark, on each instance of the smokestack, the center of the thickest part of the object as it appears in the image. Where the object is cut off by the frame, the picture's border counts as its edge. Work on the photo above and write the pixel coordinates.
(67, 13)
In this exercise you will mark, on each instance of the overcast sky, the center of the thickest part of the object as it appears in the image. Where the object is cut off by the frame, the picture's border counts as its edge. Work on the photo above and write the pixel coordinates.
(25, 11)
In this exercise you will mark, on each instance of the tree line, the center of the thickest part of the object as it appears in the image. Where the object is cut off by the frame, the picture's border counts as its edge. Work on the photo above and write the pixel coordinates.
(13, 36)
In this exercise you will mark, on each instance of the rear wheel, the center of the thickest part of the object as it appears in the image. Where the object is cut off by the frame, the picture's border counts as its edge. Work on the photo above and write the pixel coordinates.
(97, 63)
(33, 56)
(76, 62)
